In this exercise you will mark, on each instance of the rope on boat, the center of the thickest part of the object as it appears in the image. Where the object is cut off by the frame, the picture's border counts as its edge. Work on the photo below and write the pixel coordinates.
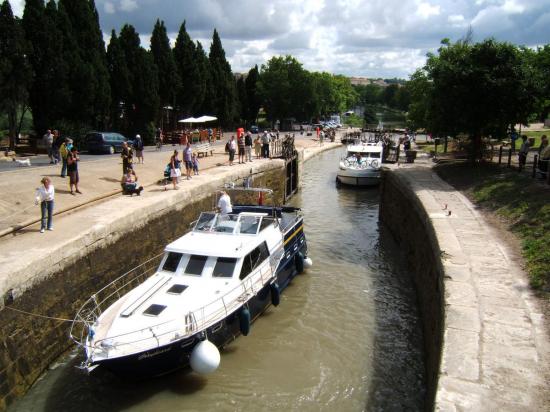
(41, 316)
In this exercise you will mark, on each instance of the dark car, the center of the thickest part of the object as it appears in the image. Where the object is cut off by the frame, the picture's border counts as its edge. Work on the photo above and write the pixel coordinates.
(105, 142)
(254, 129)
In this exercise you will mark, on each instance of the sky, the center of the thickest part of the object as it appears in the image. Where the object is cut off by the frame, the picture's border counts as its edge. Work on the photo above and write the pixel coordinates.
(367, 38)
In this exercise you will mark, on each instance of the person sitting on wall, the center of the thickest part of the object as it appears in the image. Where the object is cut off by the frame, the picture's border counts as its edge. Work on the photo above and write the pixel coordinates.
(129, 183)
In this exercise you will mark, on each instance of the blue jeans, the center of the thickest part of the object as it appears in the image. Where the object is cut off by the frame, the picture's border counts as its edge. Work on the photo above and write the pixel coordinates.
(64, 167)
(46, 206)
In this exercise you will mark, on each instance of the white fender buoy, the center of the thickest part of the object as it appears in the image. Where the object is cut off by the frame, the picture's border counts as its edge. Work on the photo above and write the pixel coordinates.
(205, 358)
(308, 263)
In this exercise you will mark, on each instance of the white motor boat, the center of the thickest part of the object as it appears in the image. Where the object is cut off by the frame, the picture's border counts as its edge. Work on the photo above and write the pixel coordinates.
(210, 285)
(361, 165)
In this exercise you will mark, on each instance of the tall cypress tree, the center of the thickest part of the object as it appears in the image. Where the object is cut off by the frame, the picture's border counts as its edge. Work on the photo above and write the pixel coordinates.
(254, 101)
(15, 72)
(203, 101)
(89, 74)
(34, 24)
(224, 99)
(121, 84)
(185, 55)
(141, 101)
(243, 98)
(168, 77)
(60, 97)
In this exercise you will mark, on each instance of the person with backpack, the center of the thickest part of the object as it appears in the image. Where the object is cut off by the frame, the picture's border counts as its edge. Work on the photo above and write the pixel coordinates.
(64, 150)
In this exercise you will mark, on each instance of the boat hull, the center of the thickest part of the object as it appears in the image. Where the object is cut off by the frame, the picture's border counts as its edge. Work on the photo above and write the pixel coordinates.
(358, 178)
(165, 359)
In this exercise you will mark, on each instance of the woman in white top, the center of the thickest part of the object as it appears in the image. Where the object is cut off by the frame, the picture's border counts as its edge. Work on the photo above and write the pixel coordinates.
(45, 196)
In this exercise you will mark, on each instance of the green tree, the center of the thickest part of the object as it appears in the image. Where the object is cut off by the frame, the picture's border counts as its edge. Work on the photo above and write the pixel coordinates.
(188, 95)
(168, 77)
(15, 72)
(40, 58)
(253, 98)
(121, 83)
(287, 89)
(139, 98)
(205, 93)
(242, 97)
(479, 89)
(89, 77)
(224, 99)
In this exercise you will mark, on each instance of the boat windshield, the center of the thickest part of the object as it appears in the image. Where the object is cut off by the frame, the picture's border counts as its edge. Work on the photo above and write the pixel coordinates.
(243, 223)
(364, 155)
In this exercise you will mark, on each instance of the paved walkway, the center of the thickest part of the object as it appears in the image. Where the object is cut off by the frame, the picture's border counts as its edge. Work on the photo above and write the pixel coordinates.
(99, 179)
(496, 352)
(29, 256)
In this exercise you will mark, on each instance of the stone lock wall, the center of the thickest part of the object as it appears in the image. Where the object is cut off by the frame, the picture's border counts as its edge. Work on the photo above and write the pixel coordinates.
(28, 345)
(406, 218)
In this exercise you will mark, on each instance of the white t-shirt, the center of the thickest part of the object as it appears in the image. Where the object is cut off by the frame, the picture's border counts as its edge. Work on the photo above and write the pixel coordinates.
(225, 204)
(43, 194)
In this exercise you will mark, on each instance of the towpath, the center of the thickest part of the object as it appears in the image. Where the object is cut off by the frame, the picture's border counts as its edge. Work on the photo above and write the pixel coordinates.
(27, 255)
(496, 351)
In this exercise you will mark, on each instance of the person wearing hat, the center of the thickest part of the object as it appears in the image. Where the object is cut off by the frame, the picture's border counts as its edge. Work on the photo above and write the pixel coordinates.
(64, 152)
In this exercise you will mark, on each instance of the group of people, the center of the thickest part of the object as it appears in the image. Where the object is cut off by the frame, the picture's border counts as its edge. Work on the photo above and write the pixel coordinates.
(543, 153)
(190, 161)
(242, 146)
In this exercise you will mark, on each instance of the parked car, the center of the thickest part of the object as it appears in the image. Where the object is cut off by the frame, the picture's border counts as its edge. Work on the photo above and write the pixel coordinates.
(105, 142)
(254, 129)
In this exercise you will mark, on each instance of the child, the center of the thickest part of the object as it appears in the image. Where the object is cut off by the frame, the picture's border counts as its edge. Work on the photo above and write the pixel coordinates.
(195, 161)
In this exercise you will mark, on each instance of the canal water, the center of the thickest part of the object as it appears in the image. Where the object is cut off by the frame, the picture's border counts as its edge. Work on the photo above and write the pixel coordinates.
(346, 336)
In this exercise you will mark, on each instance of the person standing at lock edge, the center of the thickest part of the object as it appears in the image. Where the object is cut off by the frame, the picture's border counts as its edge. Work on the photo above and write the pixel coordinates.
(265, 144)
(248, 146)
(44, 196)
(127, 156)
(72, 169)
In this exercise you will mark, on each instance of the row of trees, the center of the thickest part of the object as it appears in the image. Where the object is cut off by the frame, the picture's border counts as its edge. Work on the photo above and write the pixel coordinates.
(54, 62)
(480, 89)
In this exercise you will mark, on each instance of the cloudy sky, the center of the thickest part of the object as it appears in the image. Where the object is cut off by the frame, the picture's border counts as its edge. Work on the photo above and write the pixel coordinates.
(372, 38)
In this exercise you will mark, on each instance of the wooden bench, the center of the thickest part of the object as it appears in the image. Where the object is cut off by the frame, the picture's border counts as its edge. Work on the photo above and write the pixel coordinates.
(202, 149)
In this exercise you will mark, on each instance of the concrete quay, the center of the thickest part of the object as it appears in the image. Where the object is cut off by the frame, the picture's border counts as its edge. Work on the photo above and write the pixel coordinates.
(494, 347)
(27, 255)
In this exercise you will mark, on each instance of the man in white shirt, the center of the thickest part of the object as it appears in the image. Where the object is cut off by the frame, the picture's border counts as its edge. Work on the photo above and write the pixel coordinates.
(48, 142)
(224, 204)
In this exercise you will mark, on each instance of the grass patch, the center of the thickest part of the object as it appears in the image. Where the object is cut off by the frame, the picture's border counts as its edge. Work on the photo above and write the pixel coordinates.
(522, 202)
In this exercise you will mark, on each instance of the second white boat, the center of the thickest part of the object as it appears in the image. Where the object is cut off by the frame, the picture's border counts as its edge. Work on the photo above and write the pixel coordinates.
(361, 165)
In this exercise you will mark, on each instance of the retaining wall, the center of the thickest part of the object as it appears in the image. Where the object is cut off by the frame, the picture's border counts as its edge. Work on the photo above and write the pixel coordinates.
(406, 218)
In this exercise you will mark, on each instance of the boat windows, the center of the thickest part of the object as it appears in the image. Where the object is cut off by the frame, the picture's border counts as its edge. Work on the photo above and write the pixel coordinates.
(172, 261)
(254, 259)
(224, 267)
(249, 224)
(205, 222)
(176, 289)
(266, 222)
(195, 265)
(154, 310)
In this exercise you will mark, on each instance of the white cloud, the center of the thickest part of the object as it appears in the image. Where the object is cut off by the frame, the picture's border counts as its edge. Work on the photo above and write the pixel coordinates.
(457, 20)
(109, 7)
(128, 5)
(354, 37)
(426, 10)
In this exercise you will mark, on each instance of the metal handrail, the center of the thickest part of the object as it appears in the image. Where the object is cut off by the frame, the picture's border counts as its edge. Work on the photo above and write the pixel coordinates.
(207, 315)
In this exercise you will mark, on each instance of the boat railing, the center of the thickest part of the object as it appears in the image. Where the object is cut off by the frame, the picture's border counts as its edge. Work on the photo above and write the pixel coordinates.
(94, 306)
(194, 321)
